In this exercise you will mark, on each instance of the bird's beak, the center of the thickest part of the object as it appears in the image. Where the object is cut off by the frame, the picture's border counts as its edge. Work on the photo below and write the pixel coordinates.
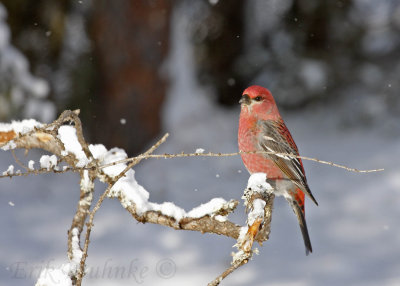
(245, 99)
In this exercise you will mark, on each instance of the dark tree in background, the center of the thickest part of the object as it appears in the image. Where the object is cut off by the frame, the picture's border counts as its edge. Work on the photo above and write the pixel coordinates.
(130, 43)
(218, 38)
(38, 30)
(104, 59)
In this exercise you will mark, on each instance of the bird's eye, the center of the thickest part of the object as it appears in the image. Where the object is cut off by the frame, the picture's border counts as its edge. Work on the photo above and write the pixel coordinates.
(258, 98)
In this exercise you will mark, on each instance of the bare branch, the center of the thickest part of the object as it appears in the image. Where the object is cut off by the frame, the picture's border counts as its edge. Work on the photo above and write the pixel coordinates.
(210, 154)
(18, 161)
(41, 171)
(233, 267)
(89, 226)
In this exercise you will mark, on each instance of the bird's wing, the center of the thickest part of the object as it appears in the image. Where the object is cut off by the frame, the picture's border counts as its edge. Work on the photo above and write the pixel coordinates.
(275, 137)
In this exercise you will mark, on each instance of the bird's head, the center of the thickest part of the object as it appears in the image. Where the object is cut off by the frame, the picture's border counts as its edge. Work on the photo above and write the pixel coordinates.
(258, 100)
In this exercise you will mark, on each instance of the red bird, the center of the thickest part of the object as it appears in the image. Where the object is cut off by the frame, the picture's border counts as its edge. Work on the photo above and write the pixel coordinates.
(261, 128)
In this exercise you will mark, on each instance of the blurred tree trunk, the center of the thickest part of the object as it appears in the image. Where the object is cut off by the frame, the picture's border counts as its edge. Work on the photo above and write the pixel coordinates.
(130, 45)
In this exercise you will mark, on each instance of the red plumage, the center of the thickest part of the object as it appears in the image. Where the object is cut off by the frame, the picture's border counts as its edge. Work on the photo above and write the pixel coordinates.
(261, 128)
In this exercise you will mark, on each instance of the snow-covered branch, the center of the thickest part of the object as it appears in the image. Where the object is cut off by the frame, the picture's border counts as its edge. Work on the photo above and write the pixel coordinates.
(258, 199)
(64, 139)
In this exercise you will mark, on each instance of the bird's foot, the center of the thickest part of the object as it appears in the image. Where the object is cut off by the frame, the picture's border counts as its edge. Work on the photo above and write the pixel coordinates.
(248, 240)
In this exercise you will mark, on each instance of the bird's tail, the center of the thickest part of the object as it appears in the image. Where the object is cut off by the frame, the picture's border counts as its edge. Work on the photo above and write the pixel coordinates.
(299, 212)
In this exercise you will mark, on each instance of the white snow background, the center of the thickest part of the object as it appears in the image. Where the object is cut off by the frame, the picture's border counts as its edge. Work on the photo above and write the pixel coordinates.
(355, 230)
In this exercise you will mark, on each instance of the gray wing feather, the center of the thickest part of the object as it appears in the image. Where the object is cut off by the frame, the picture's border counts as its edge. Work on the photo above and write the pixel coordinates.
(271, 140)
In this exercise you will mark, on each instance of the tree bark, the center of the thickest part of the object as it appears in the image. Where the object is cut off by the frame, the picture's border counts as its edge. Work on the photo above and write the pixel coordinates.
(130, 44)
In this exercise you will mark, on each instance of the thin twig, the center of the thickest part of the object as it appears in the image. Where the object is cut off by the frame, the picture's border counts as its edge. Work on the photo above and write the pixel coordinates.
(232, 268)
(18, 161)
(89, 227)
(40, 171)
(210, 154)
(147, 153)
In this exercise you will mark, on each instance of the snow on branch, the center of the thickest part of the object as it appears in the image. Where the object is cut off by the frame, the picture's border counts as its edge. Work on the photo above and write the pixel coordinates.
(64, 139)
(258, 199)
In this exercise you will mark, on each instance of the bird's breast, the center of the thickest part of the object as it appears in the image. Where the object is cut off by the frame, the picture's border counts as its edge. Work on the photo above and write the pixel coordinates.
(255, 162)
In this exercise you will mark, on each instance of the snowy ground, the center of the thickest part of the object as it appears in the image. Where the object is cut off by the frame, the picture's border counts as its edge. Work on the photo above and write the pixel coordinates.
(355, 231)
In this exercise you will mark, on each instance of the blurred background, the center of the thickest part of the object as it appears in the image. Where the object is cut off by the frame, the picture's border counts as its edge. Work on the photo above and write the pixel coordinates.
(137, 69)
(109, 59)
